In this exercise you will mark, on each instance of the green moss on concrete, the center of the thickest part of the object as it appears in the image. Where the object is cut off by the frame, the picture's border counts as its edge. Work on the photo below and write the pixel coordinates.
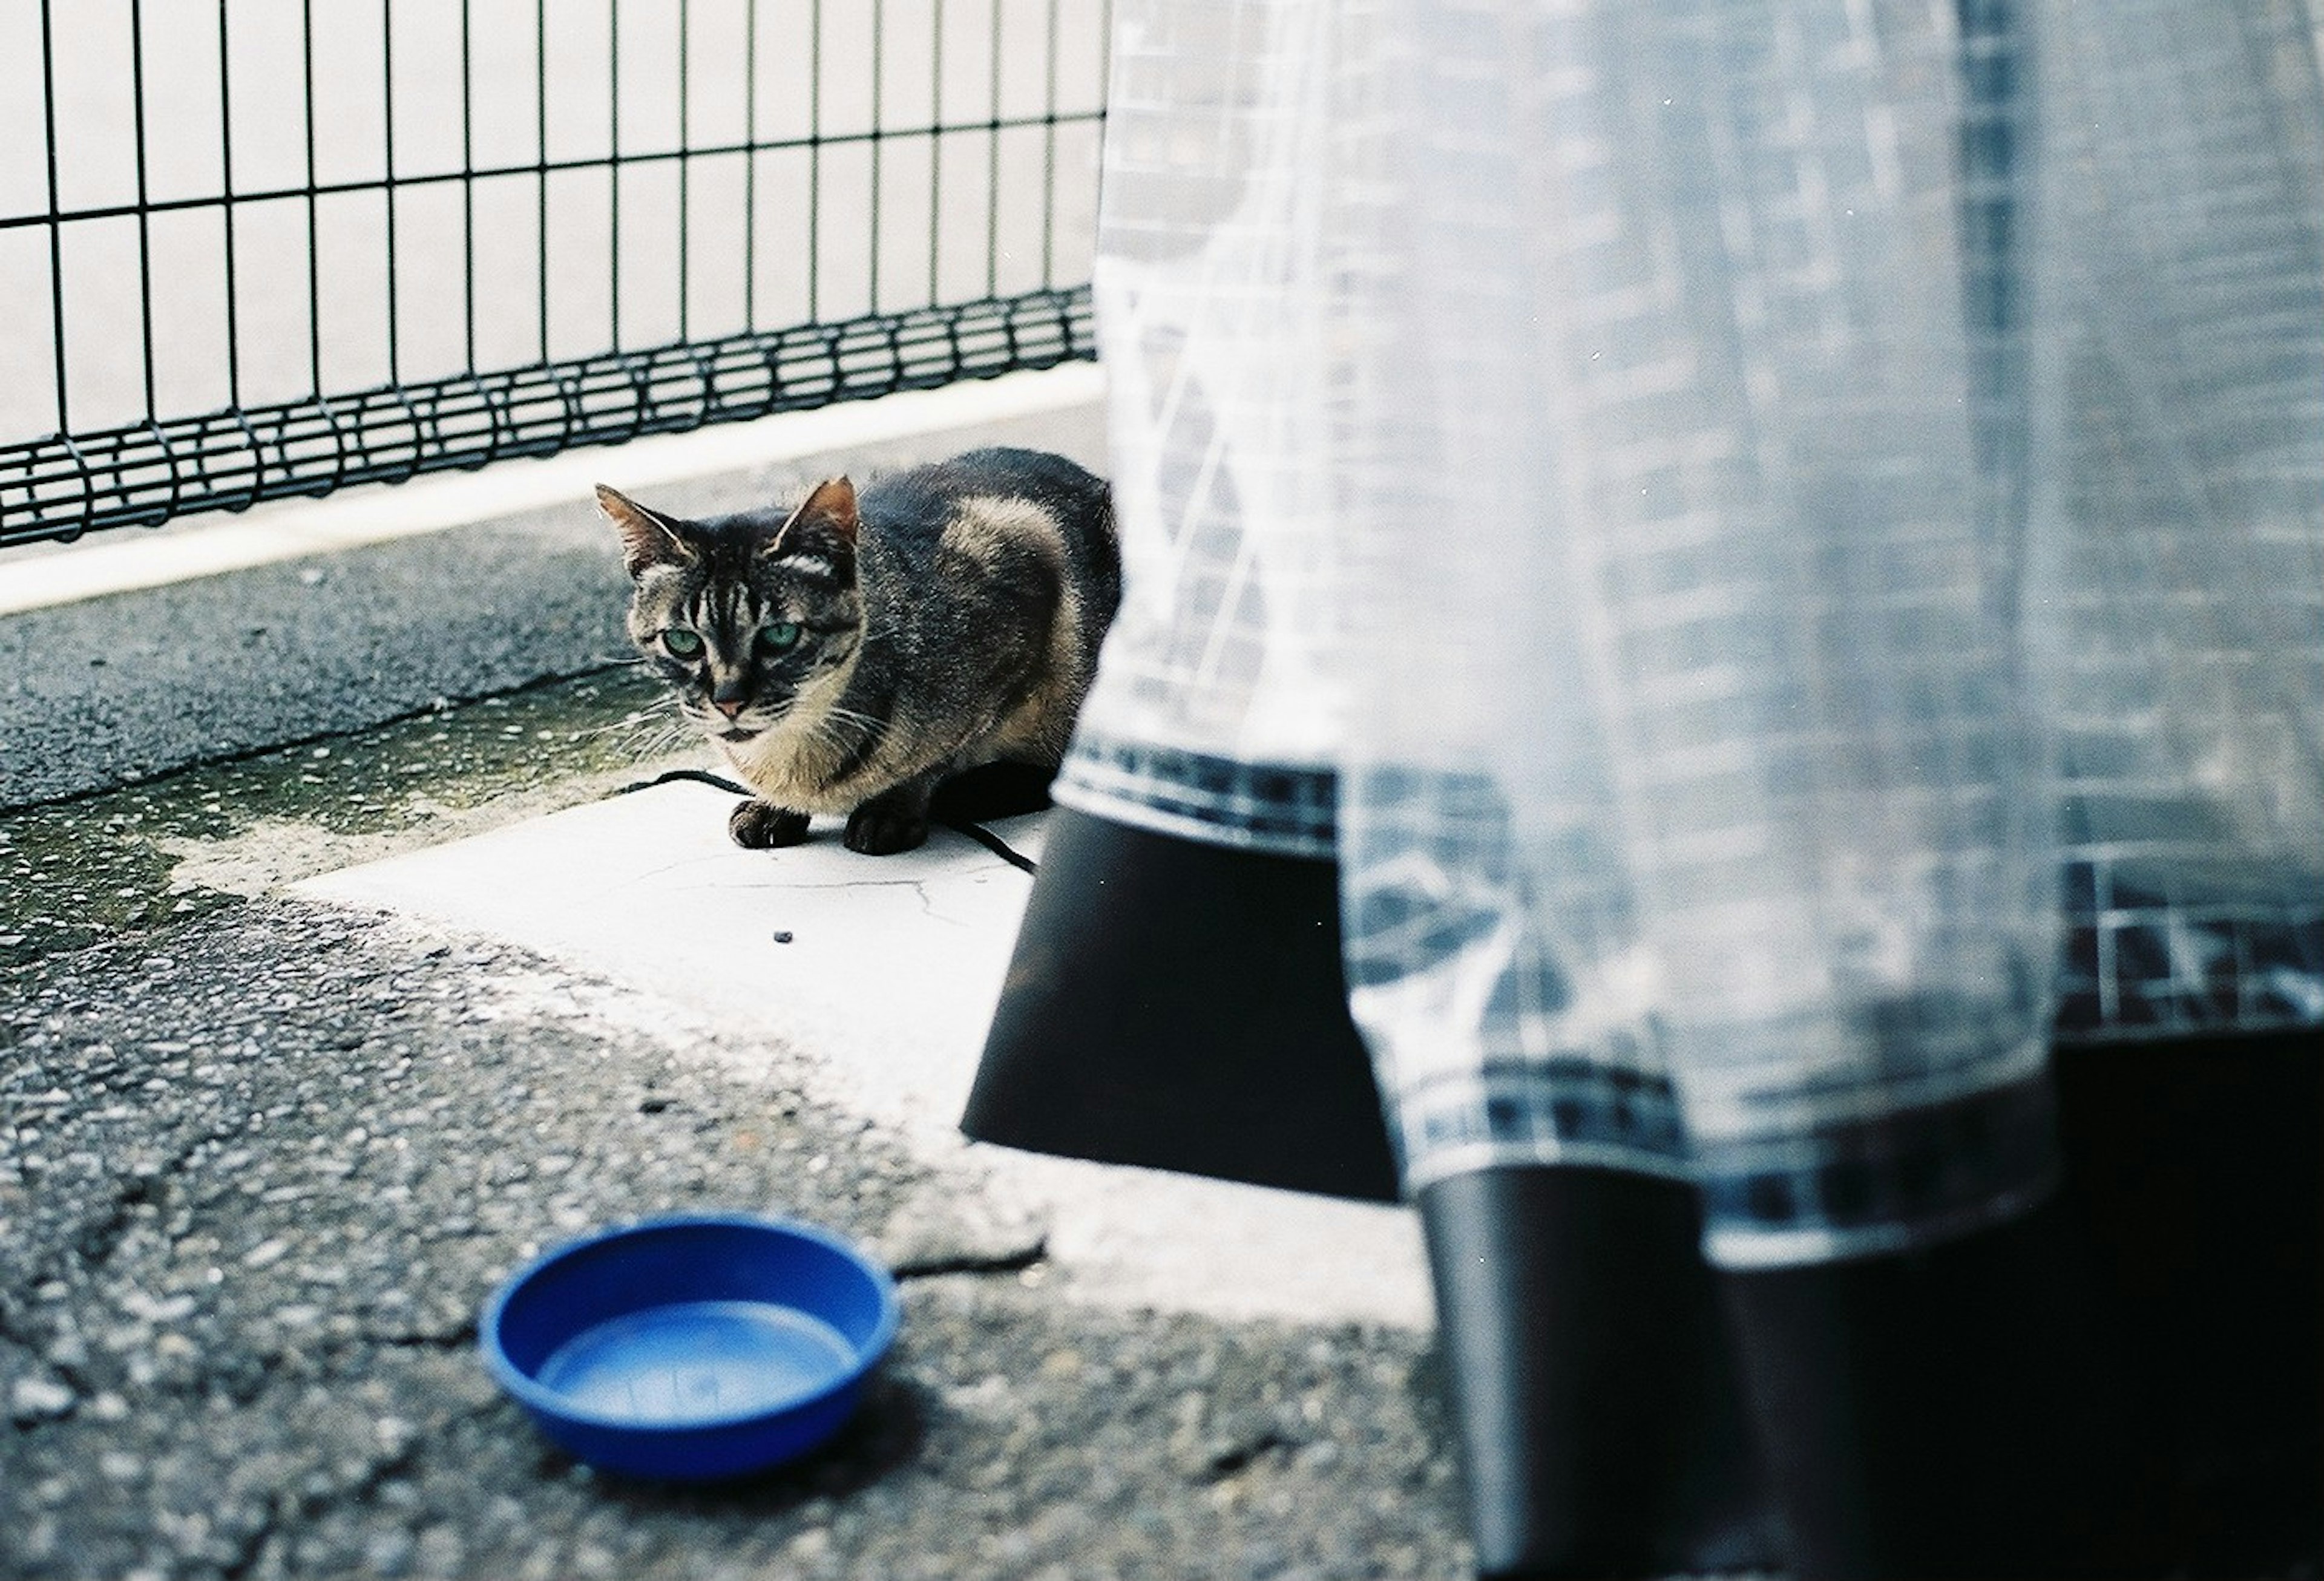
(93, 868)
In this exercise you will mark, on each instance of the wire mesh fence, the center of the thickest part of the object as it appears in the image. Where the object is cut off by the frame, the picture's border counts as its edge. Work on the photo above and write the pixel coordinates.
(287, 246)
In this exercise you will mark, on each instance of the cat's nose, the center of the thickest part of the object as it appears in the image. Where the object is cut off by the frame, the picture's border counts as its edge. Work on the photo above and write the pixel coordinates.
(729, 706)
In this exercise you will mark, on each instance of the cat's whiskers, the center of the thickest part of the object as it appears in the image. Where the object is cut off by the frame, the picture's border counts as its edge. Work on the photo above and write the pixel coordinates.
(824, 733)
(872, 723)
(627, 721)
(651, 735)
(655, 732)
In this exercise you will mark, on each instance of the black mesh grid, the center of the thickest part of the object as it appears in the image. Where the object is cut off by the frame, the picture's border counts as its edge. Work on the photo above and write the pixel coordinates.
(287, 246)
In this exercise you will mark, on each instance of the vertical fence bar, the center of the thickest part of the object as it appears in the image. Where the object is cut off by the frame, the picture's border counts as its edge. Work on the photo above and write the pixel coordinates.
(878, 72)
(314, 251)
(541, 132)
(56, 216)
(992, 182)
(1049, 158)
(814, 162)
(387, 100)
(613, 161)
(467, 185)
(936, 150)
(145, 202)
(226, 211)
(145, 242)
(749, 164)
(685, 166)
(229, 202)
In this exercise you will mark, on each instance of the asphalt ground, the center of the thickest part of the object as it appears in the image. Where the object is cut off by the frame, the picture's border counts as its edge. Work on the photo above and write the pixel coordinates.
(262, 1167)
(262, 1157)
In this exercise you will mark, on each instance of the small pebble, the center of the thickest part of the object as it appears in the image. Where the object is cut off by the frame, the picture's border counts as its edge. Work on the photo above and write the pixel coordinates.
(38, 1399)
(782, 935)
(390, 1553)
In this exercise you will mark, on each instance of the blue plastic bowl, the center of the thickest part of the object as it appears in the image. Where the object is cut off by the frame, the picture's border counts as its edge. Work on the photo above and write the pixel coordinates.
(691, 1347)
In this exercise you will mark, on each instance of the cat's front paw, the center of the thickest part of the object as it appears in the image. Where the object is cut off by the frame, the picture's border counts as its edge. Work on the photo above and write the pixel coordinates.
(878, 831)
(761, 825)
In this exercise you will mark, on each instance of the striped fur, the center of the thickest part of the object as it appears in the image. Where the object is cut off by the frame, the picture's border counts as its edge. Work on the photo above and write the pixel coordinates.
(850, 655)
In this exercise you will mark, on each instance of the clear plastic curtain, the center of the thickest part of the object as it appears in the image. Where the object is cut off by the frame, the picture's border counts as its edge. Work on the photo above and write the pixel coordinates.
(1779, 548)
(1215, 715)
(1705, 307)
(2175, 561)
(1800, 530)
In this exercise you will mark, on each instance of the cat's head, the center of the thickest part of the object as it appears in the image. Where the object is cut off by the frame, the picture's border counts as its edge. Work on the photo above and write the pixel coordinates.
(743, 615)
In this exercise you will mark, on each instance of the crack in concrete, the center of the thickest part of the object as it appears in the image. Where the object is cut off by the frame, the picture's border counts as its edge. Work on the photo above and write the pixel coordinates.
(1015, 1260)
(282, 1514)
(100, 1234)
(454, 1339)
(1234, 1458)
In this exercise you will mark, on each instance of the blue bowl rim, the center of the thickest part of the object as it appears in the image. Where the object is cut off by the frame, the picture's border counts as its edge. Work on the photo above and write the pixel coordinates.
(540, 1398)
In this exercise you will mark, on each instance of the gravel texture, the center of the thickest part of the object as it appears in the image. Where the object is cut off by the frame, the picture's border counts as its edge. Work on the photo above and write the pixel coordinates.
(259, 1168)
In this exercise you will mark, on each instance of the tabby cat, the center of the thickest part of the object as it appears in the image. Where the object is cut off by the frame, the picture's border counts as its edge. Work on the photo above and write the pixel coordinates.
(850, 654)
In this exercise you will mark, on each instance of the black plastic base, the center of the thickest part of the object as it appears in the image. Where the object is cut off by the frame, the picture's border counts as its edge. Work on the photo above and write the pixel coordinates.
(2195, 1176)
(1591, 1377)
(2127, 1382)
(1182, 1007)
(1948, 1413)
(2124, 1383)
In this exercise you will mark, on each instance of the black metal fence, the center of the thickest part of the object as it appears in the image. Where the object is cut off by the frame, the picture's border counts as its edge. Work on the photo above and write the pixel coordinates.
(286, 245)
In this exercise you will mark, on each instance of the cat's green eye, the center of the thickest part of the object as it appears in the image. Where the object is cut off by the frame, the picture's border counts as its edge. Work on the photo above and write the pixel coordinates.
(779, 638)
(682, 643)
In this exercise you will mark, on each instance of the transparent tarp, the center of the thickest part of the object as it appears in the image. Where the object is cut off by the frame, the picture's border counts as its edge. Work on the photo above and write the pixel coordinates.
(1785, 542)
(2175, 598)
(1214, 715)
(1688, 283)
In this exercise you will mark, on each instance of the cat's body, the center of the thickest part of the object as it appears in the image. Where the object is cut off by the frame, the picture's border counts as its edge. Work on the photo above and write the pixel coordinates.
(850, 654)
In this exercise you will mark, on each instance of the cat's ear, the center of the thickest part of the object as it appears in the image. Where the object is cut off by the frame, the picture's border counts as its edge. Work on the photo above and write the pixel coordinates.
(823, 528)
(648, 536)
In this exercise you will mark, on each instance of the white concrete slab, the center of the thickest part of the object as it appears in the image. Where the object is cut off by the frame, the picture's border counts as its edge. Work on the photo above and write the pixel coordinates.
(887, 980)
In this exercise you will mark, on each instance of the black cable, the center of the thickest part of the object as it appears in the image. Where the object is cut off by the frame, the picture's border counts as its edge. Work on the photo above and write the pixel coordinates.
(995, 844)
(670, 775)
(975, 832)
